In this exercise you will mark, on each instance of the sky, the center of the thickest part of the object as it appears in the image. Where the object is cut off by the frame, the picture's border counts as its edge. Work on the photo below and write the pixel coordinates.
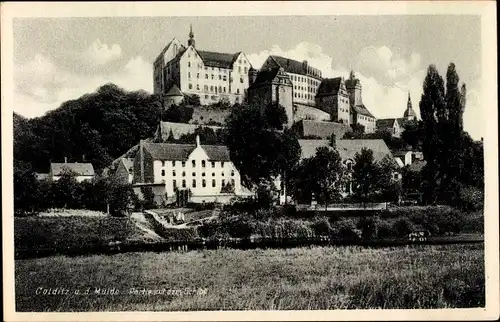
(59, 59)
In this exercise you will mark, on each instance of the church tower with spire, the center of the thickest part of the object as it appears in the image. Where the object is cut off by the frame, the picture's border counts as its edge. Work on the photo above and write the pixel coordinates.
(409, 113)
(191, 41)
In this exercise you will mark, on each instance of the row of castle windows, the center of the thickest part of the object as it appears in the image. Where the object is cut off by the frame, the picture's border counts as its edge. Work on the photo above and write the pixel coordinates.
(203, 183)
(193, 162)
(305, 80)
(221, 77)
(225, 71)
(305, 96)
(194, 173)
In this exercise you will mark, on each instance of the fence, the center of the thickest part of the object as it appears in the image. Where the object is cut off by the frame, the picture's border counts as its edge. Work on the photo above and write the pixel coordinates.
(346, 206)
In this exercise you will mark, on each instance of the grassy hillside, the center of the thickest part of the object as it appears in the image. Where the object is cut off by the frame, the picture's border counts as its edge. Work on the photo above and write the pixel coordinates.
(73, 231)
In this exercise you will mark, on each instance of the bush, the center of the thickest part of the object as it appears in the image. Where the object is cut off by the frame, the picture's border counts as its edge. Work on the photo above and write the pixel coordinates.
(403, 227)
(368, 227)
(471, 198)
(345, 230)
(385, 230)
(322, 227)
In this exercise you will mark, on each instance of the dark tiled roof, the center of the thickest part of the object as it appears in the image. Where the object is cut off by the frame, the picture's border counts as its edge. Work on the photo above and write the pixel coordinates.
(265, 77)
(361, 109)
(217, 152)
(220, 60)
(329, 86)
(181, 152)
(322, 129)
(292, 66)
(174, 91)
(385, 123)
(347, 148)
(400, 153)
(81, 169)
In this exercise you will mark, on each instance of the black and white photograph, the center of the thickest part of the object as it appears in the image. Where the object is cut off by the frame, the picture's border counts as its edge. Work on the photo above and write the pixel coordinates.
(267, 157)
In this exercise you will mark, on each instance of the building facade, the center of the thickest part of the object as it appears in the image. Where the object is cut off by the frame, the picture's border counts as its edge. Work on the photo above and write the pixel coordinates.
(81, 171)
(333, 98)
(273, 86)
(305, 78)
(204, 170)
(213, 76)
(390, 125)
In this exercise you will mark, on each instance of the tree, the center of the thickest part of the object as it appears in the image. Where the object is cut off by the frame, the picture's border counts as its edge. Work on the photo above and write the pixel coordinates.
(442, 116)
(102, 126)
(321, 174)
(357, 129)
(260, 153)
(389, 187)
(412, 134)
(178, 114)
(365, 172)
(275, 115)
(27, 192)
(67, 191)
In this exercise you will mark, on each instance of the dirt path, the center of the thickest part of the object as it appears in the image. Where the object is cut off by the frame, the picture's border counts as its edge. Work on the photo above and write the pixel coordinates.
(143, 224)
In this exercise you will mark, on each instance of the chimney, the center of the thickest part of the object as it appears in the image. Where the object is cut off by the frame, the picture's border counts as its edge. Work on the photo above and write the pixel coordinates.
(197, 140)
(65, 160)
(83, 158)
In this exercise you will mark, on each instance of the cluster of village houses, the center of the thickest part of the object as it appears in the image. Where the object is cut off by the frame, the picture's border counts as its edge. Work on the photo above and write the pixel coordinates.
(316, 108)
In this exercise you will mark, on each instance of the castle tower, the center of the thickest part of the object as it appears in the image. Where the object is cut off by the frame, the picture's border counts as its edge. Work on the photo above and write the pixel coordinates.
(191, 41)
(409, 113)
(353, 86)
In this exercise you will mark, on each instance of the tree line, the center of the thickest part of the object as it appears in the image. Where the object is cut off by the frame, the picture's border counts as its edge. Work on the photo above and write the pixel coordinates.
(32, 196)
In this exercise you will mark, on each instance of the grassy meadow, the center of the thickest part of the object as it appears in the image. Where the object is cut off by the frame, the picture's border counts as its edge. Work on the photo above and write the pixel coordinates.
(278, 279)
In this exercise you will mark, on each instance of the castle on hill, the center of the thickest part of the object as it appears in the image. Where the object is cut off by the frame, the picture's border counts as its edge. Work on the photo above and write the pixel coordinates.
(183, 72)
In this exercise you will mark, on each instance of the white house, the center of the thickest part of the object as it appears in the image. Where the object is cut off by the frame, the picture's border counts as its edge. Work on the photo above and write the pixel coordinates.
(82, 171)
(403, 157)
(206, 171)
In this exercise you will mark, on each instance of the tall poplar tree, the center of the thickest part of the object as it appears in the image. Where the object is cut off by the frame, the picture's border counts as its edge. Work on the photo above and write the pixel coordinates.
(442, 117)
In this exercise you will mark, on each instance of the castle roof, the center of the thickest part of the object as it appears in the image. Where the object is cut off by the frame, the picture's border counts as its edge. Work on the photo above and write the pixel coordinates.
(386, 123)
(81, 169)
(181, 152)
(347, 149)
(361, 109)
(174, 91)
(219, 60)
(293, 66)
(329, 86)
(267, 76)
(320, 129)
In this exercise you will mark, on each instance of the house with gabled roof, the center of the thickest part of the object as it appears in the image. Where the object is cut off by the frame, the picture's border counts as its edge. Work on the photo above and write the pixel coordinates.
(390, 125)
(213, 76)
(81, 171)
(205, 171)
